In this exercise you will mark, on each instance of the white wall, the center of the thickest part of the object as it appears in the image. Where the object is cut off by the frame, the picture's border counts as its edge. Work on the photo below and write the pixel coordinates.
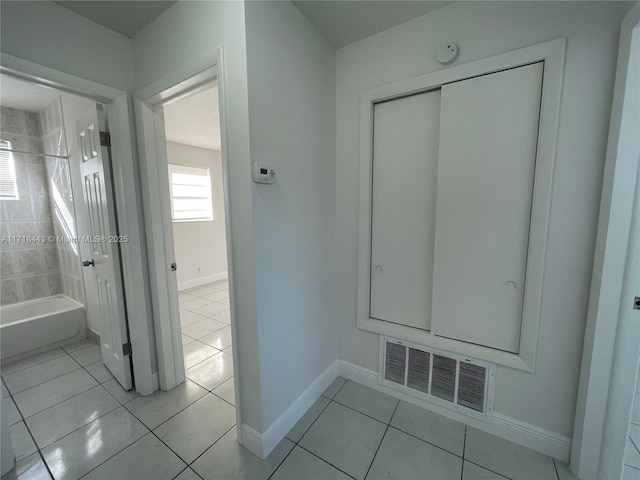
(288, 227)
(184, 33)
(546, 398)
(291, 74)
(200, 245)
(50, 35)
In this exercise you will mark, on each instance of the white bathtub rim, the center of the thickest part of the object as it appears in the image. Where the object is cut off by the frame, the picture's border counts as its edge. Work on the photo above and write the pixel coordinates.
(25, 304)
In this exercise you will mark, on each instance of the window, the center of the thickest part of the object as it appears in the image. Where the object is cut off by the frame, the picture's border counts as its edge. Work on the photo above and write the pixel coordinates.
(190, 193)
(8, 185)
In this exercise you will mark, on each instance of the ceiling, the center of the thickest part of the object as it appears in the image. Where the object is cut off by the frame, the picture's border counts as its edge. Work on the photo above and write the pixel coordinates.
(344, 22)
(24, 95)
(194, 120)
(341, 22)
(125, 17)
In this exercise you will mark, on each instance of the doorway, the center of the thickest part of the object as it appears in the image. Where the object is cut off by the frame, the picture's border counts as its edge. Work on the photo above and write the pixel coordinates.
(63, 312)
(60, 249)
(194, 166)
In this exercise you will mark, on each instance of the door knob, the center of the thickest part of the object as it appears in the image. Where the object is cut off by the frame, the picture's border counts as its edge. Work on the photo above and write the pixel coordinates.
(88, 263)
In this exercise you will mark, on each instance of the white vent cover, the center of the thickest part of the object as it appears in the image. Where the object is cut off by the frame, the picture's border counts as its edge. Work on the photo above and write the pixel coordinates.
(459, 383)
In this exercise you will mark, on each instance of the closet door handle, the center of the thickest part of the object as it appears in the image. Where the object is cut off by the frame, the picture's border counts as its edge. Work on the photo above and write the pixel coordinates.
(88, 263)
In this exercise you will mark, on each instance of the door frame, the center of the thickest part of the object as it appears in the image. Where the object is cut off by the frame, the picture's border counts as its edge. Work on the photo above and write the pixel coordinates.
(204, 72)
(133, 253)
(612, 337)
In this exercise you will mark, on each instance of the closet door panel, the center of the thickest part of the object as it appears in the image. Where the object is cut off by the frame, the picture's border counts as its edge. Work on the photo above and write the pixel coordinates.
(488, 138)
(405, 157)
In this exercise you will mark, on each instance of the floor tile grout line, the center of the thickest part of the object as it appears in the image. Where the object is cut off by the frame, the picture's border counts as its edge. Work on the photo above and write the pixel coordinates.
(106, 413)
(165, 421)
(555, 467)
(208, 345)
(109, 392)
(631, 466)
(44, 462)
(181, 472)
(61, 401)
(17, 408)
(464, 447)
(80, 349)
(365, 414)
(201, 361)
(35, 364)
(218, 396)
(74, 431)
(38, 449)
(190, 469)
(30, 436)
(184, 327)
(119, 451)
(4, 375)
(211, 390)
(151, 431)
(280, 464)
(486, 468)
(41, 383)
(206, 449)
(193, 310)
(634, 444)
(382, 439)
(324, 460)
(202, 287)
(312, 423)
(429, 443)
(377, 450)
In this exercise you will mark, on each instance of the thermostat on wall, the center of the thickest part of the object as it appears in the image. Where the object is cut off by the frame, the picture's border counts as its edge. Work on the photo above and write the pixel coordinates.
(264, 172)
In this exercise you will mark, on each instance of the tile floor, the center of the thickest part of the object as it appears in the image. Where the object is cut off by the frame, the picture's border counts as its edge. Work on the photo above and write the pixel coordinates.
(632, 454)
(189, 433)
(70, 419)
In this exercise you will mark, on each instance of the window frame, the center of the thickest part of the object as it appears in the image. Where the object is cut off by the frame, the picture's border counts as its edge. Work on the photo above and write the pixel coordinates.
(11, 171)
(171, 170)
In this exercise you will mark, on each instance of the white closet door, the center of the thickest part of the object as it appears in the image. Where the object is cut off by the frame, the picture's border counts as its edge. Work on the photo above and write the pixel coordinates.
(405, 158)
(488, 138)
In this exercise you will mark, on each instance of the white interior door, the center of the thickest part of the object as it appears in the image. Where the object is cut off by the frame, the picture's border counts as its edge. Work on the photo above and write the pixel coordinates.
(405, 160)
(488, 140)
(97, 190)
(154, 172)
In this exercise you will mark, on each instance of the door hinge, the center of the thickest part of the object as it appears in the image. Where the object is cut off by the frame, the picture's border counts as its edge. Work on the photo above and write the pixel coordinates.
(105, 139)
(126, 348)
(636, 303)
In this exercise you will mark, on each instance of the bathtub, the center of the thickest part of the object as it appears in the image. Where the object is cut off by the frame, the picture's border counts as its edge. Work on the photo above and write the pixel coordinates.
(35, 326)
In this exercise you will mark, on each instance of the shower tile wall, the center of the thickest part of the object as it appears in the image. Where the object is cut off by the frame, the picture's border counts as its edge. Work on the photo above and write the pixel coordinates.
(27, 270)
(62, 204)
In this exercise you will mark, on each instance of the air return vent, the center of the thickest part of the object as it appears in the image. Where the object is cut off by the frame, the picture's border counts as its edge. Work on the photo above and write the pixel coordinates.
(449, 380)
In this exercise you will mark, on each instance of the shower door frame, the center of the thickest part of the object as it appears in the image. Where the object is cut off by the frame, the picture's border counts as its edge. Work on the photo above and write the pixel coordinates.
(127, 201)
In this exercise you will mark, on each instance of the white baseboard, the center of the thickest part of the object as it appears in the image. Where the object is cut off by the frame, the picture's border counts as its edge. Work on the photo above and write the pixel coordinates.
(93, 336)
(251, 439)
(196, 282)
(527, 435)
(261, 444)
